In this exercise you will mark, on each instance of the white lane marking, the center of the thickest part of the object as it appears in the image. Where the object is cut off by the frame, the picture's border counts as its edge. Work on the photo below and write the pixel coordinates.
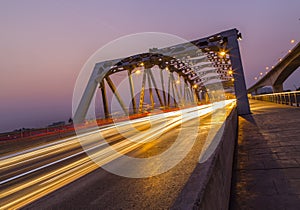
(204, 111)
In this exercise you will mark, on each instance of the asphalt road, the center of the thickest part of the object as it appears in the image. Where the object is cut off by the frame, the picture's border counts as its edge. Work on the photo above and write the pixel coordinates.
(60, 174)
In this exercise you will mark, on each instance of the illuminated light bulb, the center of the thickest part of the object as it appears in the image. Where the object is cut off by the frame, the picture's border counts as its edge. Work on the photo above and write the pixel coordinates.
(292, 41)
(267, 68)
(138, 71)
(272, 67)
(222, 53)
(255, 78)
(261, 73)
(195, 86)
(290, 51)
(230, 72)
(232, 79)
(177, 81)
(167, 68)
(142, 64)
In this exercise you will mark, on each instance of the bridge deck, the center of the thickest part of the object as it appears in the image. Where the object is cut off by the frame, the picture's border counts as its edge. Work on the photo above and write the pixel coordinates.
(267, 169)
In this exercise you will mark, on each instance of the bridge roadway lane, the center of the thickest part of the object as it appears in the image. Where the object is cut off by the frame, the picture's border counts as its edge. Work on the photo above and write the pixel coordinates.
(31, 174)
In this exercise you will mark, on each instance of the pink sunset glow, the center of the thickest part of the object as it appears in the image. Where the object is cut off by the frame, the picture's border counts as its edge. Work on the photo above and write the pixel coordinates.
(44, 44)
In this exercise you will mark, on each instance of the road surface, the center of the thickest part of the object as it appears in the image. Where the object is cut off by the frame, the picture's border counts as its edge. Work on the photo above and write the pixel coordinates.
(61, 175)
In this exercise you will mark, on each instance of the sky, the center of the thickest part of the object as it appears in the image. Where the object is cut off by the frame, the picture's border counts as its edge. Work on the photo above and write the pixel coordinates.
(45, 43)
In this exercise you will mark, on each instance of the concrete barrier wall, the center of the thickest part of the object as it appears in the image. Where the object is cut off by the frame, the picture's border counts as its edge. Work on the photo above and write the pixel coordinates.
(209, 184)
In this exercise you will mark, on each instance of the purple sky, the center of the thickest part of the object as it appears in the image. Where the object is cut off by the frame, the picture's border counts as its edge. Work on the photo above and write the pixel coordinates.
(44, 44)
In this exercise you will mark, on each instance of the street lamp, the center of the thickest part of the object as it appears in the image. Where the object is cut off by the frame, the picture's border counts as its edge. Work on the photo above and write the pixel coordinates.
(222, 53)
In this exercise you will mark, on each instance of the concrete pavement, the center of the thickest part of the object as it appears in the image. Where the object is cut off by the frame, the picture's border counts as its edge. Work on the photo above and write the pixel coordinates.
(267, 167)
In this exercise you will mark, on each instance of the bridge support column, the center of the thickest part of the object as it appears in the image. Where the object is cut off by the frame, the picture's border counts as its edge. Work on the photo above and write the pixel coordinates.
(239, 79)
(277, 88)
(104, 99)
(87, 97)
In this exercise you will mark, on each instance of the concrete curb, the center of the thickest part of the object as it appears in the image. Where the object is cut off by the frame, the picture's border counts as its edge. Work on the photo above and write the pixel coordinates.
(210, 183)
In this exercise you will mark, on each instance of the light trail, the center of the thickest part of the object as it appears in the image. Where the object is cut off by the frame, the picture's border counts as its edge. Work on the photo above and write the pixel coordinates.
(25, 187)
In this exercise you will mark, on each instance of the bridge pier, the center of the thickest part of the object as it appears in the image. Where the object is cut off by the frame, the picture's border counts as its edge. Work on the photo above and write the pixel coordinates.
(277, 88)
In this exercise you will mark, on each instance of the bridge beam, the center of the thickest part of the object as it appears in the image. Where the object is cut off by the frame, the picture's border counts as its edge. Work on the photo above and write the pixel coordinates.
(280, 72)
(104, 99)
(239, 79)
(132, 92)
(87, 97)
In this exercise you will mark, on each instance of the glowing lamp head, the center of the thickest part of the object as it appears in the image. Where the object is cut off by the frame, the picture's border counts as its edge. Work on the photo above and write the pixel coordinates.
(138, 72)
(222, 53)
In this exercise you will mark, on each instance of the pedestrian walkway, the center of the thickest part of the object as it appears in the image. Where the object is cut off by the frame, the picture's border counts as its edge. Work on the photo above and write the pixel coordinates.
(267, 166)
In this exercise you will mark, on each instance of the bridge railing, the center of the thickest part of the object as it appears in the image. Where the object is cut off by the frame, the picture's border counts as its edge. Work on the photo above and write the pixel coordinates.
(289, 98)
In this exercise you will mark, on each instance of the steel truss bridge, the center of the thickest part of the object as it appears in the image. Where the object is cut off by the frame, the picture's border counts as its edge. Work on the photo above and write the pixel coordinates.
(181, 76)
(201, 71)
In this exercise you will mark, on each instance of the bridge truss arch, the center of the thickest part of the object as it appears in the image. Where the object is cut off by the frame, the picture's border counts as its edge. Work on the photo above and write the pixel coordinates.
(171, 77)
